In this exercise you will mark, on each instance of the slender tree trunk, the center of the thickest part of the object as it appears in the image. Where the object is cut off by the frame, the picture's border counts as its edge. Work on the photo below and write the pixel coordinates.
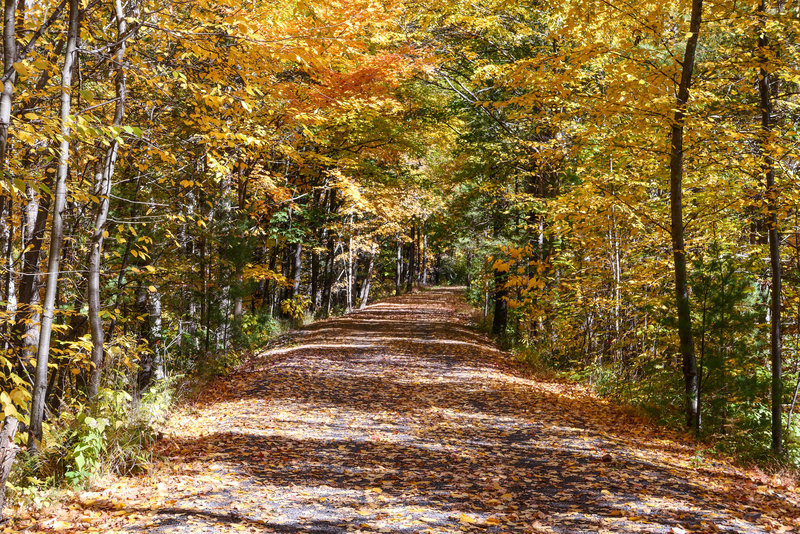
(297, 268)
(765, 83)
(350, 271)
(500, 320)
(425, 259)
(56, 235)
(204, 311)
(8, 450)
(315, 287)
(411, 263)
(418, 255)
(286, 271)
(469, 269)
(14, 12)
(273, 285)
(155, 369)
(616, 275)
(318, 237)
(327, 270)
(26, 324)
(103, 192)
(329, 267)
(6, 104)
(337, 294)
(9, 80)
(398, 272)
(8, 284)
(365, 287)
(152, 364)
(677, 227)
(238, 304)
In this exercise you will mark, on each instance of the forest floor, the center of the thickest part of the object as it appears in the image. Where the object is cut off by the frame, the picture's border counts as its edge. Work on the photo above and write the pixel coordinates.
(401, 418)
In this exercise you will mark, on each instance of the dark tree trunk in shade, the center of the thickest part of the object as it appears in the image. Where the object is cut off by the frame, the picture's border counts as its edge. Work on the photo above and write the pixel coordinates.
(315, 286)
(500, 303)
(297, 268)
(425, 259)
(690, 378)
(272, 289)
(327, 291)
(411, 261)
(765, 88)
(365, 286)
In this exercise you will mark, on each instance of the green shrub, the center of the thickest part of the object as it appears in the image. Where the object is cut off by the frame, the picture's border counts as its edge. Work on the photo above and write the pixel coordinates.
(257, 329)
(87, 444)
(113, 435)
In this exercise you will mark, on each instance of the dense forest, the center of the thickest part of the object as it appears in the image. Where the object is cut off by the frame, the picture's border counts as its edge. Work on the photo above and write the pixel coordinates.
(614, 182)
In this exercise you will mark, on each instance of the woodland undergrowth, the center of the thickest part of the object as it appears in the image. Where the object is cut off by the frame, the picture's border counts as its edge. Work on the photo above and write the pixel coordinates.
(115, 434)
(654, 396)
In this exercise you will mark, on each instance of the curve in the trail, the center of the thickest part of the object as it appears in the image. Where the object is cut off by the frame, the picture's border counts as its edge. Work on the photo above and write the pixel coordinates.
(401, 418)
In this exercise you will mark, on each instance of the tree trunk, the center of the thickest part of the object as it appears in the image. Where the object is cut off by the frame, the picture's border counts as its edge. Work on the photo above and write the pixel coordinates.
(286, 271)
(315, 286)
(26, 324)
(418, 255)
(56, 236)
(411, 263)
(677, 228)
(350, 270)
(329, 267)
(152, 365)
(297, 268)
(469, 269)
(765, 84)
(9, 285)
(6, 103)
(103, 192)
(398, 272)
(424, 259)
(7, 453)
(238, 304)
(156, 341)
(367, 279)
(319, 201)
(9, 80)
(272, 290)
(500, 304)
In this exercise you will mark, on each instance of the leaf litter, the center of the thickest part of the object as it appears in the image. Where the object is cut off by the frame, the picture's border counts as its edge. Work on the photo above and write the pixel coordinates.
(401, 418)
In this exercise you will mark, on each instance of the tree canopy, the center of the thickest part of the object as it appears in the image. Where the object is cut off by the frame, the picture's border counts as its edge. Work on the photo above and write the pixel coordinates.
(614, 182)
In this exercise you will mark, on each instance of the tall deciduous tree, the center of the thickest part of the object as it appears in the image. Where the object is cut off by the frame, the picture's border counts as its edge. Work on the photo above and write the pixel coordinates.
(766, 85)
(677, 230)
(57, 232)
(103, 191)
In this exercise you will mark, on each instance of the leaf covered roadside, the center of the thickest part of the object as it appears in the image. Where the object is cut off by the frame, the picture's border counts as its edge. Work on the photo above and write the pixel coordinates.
(402, 418)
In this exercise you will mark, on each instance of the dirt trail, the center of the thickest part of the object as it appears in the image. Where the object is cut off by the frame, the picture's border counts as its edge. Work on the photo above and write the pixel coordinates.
(400, 418)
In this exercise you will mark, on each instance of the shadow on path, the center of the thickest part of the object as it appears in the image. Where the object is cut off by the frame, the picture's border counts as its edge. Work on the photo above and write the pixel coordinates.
(400, 418)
